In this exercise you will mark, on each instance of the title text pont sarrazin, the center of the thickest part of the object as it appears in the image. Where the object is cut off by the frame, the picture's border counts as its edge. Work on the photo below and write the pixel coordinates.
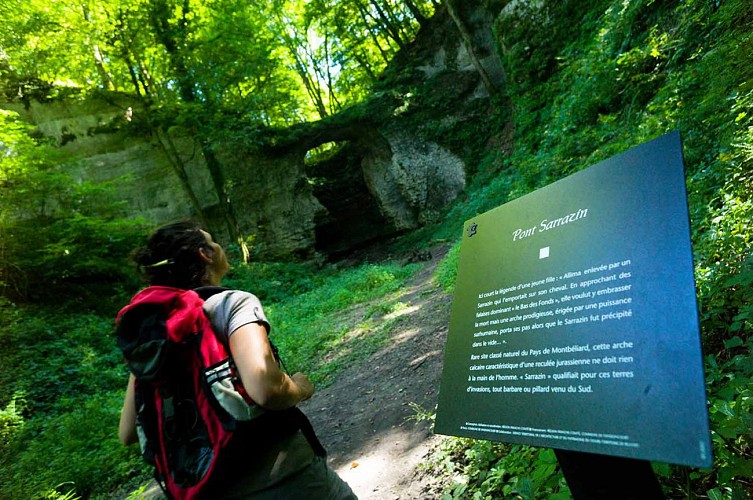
(546, 224)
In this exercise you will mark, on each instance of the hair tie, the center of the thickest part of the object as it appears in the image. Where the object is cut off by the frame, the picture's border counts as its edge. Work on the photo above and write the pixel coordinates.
(165, 262)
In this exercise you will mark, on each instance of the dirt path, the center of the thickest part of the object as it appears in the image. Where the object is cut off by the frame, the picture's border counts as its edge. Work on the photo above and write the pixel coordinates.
(362, 419)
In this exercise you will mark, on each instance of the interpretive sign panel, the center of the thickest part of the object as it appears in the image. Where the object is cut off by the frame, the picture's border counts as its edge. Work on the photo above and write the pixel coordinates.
(574, 322)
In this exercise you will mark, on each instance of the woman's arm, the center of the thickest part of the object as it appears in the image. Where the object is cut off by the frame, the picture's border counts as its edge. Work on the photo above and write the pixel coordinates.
(262, 378)
(127, 427)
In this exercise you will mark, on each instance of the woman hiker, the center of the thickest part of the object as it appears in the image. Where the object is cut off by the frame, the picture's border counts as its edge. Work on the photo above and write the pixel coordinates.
(268, 459)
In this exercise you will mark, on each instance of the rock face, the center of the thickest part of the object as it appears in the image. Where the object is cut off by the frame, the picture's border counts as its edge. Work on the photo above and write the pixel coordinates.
(96, 138)
(272, 200)
(412, 180)
(382, 183)
(399, 165)
(404, 154)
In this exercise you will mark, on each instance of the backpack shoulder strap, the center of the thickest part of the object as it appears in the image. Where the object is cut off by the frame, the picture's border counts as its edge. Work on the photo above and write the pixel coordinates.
(207, 291)
(308, 431)
(294, 417)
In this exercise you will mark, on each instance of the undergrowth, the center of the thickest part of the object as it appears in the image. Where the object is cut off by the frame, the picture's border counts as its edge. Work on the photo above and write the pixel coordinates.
(625, 73)
(60, 400)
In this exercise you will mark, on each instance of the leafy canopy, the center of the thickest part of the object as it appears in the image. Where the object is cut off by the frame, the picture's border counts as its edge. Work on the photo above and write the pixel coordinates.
(278, 62)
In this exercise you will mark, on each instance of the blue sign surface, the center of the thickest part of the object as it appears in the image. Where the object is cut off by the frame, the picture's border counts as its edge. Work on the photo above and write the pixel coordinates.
(574, 322)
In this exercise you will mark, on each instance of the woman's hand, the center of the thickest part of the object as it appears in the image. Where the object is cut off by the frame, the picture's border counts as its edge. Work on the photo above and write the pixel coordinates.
(268, 386)
(303, 383)
(127, 426)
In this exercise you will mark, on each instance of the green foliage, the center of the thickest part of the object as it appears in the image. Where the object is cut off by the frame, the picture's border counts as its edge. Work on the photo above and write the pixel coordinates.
(61, 378)
(730, 384)
(729, 379)
(315, 322)
(61, 382)
(63, 392)
(11, 420)
(484, 469)
(55, 494)
(724, 239)
(73, 356)
(62, 241)
(480, 469)
(276, 281)
(280, 62)
(588, 80)
(447, 271)
(79, 447)
(60, 238)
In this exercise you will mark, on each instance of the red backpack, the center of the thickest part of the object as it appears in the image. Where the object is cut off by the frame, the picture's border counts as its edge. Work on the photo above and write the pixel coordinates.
(190, 402)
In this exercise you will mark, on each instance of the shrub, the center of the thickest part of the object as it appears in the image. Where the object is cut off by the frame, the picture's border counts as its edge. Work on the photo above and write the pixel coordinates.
(66, 357)
(58, 237)
(11, 421)
(79, 447)
(447, 271)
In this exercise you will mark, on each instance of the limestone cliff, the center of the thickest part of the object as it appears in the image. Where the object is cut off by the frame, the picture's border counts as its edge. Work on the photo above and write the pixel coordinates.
(402, 156)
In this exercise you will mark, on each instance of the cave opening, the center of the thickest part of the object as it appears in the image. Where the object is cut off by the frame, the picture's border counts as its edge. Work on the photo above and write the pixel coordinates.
(353, 218)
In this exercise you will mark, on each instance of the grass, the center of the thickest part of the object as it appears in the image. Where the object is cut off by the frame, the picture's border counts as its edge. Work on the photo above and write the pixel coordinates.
(328, 328)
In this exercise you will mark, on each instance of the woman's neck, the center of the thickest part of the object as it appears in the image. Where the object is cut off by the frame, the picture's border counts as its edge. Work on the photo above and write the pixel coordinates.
(212, 280)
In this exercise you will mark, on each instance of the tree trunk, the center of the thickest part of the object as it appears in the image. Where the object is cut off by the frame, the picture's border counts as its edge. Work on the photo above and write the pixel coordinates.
(164, 140)
(334, 104)
(218, 178)
(172, 39)
(147, 82)
(99, 62)
(468, 42)
(395, 21)
(139, 77)
(133, 75)
(361, 60)
(178, 166)
(364, 14)
(383, 22)
(312, 88)
(388, 24)
(417, 14)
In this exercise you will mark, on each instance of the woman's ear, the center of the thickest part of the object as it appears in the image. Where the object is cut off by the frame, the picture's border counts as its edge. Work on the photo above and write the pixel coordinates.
(206, 255)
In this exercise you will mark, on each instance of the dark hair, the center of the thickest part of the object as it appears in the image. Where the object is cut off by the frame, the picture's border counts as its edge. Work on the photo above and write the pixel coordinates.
(171, 256)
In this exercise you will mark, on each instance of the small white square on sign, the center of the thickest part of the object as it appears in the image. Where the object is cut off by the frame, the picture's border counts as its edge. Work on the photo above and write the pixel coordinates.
(544, 253)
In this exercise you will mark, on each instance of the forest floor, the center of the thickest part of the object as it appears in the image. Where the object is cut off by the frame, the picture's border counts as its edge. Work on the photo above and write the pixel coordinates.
(364, 418)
